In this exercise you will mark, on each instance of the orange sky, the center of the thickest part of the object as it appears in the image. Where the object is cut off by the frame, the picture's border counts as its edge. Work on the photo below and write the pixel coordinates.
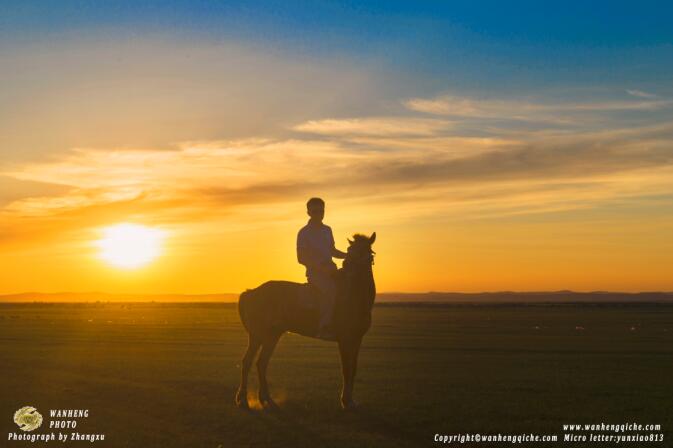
(465, 192)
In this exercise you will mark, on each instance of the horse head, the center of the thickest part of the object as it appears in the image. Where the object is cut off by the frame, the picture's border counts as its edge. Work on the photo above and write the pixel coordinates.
(360, 254)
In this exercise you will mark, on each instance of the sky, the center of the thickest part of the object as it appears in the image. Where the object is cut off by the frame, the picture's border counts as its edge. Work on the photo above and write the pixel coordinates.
(491, 145)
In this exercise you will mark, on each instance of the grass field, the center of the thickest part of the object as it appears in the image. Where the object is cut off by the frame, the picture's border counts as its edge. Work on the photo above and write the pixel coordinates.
(164, 375)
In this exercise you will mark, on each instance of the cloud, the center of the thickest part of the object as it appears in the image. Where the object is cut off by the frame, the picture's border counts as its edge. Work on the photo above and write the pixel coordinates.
(466, 107)
(12, 189)
(153, 91)
(386, 126)
(196, 175)
(534, 111)
(640, 93)
(473, 164)
(573, 158)
(196, 171)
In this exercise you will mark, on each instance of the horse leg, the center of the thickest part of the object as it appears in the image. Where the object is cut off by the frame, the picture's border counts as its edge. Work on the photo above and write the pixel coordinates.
(346, 350)
(354, 353)
(246, 363)
(268, 347)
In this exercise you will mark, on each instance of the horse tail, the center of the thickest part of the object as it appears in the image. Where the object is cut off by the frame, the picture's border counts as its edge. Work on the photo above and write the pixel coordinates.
(244, 308)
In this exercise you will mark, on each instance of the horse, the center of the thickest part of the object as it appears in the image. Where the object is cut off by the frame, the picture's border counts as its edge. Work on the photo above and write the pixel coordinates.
(276, 307)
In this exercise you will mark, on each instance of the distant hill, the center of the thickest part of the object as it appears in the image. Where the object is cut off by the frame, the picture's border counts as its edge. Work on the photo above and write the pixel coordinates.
(107, 297)
(529, 297)
(387, 297)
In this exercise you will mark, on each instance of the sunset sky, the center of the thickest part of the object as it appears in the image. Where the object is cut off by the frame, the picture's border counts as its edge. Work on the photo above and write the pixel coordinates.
(491, 145)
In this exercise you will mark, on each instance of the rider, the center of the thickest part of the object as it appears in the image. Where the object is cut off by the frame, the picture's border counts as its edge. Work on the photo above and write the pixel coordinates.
(315, 249)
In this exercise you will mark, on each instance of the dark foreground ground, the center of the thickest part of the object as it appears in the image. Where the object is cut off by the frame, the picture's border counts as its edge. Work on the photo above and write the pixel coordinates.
(164, 375)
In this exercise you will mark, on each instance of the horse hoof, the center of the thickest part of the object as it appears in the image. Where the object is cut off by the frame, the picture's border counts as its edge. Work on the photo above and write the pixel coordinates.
(241, 403)
(269, 405)
(350, 405)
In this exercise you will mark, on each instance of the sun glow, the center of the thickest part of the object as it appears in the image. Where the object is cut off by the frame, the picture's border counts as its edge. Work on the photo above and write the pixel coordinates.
(130, 246)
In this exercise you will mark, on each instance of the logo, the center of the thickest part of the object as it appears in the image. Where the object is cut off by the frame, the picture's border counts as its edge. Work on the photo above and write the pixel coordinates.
(28, 418)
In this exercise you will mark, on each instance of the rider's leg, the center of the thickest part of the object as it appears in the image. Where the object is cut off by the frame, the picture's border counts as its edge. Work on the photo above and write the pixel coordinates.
(327, 288)
(329, 294)
(327, 309)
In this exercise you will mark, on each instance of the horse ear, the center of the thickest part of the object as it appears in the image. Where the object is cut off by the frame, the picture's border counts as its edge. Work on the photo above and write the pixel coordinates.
(350, 241)
(372, 238)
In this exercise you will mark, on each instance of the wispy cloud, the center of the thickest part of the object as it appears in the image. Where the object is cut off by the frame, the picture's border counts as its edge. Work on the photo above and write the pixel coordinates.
(386, 126)
(240, 172)
(640, 93)
(461, 162)
(535, 111)
(150, 92)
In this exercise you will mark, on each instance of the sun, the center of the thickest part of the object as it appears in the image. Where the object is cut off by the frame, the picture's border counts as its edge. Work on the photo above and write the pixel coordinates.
(130, 246)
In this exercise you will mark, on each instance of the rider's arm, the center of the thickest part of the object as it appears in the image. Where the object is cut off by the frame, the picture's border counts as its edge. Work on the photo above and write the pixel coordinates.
(336, 253)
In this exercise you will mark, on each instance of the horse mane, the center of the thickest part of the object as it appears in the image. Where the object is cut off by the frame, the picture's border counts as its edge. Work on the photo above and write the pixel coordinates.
(360, 237)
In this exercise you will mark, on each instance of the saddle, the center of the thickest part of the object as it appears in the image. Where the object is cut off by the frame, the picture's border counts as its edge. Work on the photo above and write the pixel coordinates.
(309, 295)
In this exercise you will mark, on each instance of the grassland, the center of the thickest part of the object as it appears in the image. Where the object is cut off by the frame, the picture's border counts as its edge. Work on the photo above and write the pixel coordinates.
(164, 375)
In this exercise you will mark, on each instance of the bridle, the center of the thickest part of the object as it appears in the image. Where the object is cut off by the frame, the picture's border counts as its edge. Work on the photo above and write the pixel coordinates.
(368, 259)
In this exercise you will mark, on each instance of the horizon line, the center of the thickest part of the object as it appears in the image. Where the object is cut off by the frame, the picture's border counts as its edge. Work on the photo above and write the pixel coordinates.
(558, 291)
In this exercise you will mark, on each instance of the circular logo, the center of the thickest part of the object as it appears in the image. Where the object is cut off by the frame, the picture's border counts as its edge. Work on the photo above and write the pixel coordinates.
(28, 418)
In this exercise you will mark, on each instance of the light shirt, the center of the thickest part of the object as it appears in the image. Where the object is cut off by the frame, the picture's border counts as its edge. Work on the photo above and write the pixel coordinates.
(314, 246)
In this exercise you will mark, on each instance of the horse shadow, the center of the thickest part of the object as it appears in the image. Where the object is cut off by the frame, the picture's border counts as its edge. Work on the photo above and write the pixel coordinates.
(296, 422)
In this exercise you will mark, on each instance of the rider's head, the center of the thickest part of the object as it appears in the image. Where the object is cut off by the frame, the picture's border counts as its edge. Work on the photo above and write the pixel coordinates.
(315, 207)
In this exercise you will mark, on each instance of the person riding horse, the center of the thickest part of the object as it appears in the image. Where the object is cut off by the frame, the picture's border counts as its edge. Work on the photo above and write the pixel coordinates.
(276, 307)
(315, 250)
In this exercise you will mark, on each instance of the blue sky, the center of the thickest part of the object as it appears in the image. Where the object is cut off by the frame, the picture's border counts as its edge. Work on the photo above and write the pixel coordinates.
(472, 45)
(573, 22)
